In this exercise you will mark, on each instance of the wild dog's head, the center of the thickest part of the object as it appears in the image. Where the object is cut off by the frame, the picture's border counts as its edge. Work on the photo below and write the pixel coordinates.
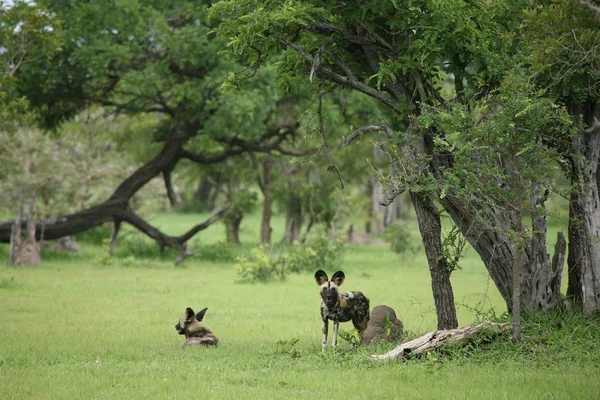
(190, 323)
(329, 288)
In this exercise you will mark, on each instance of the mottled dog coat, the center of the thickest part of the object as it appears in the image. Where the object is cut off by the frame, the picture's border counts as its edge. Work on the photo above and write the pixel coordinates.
(195, 332)
(340, 306)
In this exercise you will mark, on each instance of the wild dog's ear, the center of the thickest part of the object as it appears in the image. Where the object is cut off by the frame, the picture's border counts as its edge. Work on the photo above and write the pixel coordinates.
(189, 314)
(321, 277)
(338, 278)
(200, 315)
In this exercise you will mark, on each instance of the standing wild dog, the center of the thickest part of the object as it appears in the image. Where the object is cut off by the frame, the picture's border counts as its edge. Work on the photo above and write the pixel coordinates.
(340, 306)
(194, 331)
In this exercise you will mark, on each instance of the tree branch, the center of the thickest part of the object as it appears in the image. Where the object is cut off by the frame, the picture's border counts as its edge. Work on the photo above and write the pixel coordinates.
(342, 80)
(368, 128)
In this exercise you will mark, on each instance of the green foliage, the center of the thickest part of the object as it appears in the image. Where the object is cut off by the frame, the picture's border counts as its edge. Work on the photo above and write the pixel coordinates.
(563, 39)
(398, 234)
(319, 249)
(352, 336)
(67, 171)
(517, 132)
(28, 34)
(95, 236)
(258, 266)
(453, 247)
(288, 347)
(243, 201)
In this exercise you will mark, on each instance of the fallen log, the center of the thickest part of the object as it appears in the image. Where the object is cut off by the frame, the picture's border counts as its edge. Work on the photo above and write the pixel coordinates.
(437, 339)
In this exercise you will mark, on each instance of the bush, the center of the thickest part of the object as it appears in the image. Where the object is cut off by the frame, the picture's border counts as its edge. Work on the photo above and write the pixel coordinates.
(398, 235)
(320, 249)
(259, 266)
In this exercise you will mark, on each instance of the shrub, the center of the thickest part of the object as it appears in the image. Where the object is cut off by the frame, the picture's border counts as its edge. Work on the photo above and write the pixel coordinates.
(398, 235)
(259, 266)
(320, 249)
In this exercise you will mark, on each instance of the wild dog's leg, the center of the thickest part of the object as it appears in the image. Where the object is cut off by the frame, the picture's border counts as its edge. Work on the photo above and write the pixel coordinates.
(336, 325)
(325, 329)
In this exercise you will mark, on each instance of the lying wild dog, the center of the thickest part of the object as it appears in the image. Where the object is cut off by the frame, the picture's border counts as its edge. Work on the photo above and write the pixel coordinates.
(194, 331)
(383, 325)
(340, 306)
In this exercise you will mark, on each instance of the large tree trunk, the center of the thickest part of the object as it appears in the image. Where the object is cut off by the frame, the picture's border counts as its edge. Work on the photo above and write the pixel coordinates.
(431, 233)
(488, 234)
(584, 212)
(428, 217)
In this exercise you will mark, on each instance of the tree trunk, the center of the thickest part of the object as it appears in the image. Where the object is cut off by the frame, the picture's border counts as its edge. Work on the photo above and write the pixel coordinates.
(541, 278)
(265, 230)
(233, 229)
(174, 198)
(430, 228)
(584, 212)
(293, 218)
(518, 250)
(205, 195)
(25, 250)
(378, 213)
(488, 236)
(265, 182)
(15, 237)
(431, 232)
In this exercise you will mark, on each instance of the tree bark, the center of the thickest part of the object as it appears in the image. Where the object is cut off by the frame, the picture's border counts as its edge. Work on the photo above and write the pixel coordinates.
(584, 212)
(205, 195)
(430, 227)
(264, 183)
(25, 250)
(293, 218)
(431, 232)
(174, 198)
(15, 237)
(233, 229)
(487, 234)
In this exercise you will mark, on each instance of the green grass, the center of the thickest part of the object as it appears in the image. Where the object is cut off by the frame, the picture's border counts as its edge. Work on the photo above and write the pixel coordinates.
(81, 327)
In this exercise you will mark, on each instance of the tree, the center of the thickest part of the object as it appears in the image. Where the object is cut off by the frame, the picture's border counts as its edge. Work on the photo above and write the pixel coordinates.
(399, 54)
(566, 61)
(140, 58)
(27, 37)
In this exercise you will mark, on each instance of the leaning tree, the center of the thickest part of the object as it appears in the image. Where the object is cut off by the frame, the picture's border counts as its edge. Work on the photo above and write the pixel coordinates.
(399, 53)
(147, 58)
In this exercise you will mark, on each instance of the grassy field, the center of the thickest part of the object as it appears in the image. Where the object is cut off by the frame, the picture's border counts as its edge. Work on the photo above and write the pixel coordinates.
(83, 325)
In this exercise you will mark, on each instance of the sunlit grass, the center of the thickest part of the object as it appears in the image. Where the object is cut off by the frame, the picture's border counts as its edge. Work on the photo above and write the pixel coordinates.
(82, 326)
